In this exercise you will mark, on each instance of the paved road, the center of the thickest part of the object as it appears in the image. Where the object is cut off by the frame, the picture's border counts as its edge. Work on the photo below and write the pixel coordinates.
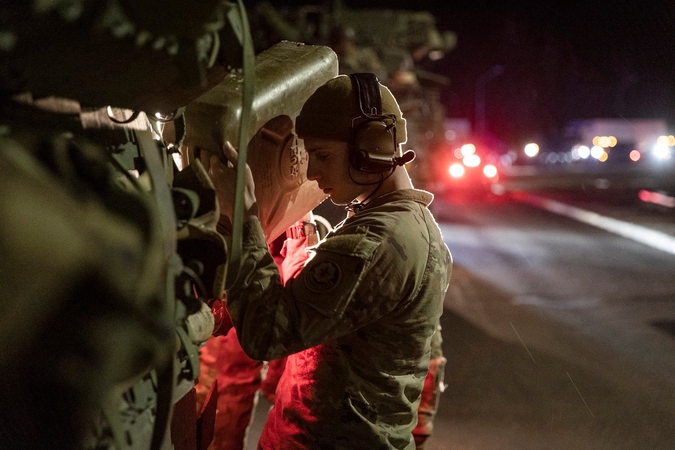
(557, 332)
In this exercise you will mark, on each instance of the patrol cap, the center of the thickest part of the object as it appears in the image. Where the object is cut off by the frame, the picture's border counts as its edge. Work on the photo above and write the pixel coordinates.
(330, 111)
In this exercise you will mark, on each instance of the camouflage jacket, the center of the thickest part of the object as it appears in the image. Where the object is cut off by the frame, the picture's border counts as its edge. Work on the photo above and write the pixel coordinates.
(357, 321)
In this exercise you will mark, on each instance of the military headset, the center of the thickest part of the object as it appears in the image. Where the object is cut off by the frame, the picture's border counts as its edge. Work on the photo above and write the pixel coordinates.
(372, 145)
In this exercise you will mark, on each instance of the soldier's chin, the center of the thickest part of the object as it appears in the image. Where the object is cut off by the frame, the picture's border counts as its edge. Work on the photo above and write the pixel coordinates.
(338, 202)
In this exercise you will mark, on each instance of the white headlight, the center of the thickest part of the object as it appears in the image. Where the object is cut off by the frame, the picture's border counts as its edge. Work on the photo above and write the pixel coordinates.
(471, 160)
(490, 171)
(584, 151)
(456, 170)
(662, 151)
(597, 152)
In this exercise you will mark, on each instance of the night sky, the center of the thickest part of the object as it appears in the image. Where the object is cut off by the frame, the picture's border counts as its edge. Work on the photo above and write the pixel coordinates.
(562, 60)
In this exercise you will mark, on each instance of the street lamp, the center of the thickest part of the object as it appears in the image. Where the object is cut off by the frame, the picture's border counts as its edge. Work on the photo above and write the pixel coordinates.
(494, 72)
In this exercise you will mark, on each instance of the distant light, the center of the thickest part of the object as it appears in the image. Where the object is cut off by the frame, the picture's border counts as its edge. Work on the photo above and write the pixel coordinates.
(497, 189)
(657, 198)
(456, 170)
(450, 135)
(468, 149)
(604, 141)
(506, 160)
(532, 150)
(634, 155)
(597, 151)
(490, 171)
(662, 151)
(435, 55)
(584, 152)
(458, 153)
(602, 183)
(671, 140)
(613, 141)
(471, 160)
(575, 153)
(596, 140)
(662, 140)
(603, 157)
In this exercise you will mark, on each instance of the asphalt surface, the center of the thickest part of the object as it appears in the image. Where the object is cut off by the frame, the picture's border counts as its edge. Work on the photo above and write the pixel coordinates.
(558, 333)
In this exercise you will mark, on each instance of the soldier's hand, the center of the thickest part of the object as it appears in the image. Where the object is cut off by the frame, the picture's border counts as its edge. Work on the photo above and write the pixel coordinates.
(222, 170)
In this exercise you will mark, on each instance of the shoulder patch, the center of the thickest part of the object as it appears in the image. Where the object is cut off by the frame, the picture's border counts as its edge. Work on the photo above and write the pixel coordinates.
(329, 279)
(323, 277)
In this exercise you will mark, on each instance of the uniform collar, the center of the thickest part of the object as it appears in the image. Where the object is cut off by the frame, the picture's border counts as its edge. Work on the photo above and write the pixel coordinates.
(416, 195)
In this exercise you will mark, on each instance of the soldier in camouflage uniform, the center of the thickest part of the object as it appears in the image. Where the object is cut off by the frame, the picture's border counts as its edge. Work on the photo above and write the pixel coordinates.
(357, 321)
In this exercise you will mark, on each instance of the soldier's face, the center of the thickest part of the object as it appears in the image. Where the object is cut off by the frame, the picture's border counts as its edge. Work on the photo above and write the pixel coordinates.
(329, 167)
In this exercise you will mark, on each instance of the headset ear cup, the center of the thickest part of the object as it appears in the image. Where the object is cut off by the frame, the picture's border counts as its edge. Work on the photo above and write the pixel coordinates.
(361, 159)
(374, 147)
(373, 140)
(358, 158)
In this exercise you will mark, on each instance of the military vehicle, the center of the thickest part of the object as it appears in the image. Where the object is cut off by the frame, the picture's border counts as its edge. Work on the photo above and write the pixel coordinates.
(394, 44)
(112, 264)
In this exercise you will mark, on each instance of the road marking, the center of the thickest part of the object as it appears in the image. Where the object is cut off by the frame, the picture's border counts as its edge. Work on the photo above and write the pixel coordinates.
(582, 397)
(638, 233)
(561, 303)
(522, 342)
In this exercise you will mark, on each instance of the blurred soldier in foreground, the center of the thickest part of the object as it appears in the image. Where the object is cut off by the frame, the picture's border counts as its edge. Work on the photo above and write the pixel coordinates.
(110, 254)
(357, 321)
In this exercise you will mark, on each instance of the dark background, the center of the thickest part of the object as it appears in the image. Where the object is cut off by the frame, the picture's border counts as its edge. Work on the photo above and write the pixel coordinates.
(562, 60)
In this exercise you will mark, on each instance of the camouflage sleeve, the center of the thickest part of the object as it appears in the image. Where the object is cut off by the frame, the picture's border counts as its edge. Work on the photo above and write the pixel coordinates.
(437, 342)
(431, 393)
(274, 321)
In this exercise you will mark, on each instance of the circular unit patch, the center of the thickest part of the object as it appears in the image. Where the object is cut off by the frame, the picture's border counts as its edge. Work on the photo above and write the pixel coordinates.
(323, 277)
